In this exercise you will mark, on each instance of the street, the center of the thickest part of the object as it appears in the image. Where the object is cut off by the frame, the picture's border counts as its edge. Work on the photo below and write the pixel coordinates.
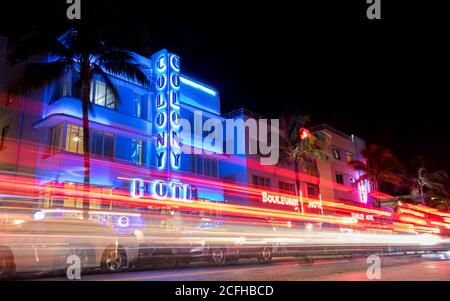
(405, 268)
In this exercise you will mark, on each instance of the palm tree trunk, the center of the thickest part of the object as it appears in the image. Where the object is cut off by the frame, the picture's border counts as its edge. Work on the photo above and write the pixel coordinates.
(297, 180)
(85, 89)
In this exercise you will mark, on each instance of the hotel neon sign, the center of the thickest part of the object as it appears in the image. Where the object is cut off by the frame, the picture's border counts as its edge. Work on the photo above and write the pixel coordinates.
(168, 115)
(160, 189)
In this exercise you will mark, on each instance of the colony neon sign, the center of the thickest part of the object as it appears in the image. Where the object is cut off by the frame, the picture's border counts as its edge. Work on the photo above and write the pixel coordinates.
(167, 107)
(160, 189)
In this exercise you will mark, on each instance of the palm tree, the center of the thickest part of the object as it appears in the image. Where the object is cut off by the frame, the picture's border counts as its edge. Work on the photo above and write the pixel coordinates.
(380, 166)
(300, 151)
(432, 187)
(85, 51)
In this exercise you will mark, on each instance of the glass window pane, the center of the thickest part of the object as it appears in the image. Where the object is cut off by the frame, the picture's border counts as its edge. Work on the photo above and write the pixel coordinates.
(192, 164)
(207, 164)
(74, 138)
(136, 152)
(97, 142)
(199, 164)
(100, 93)
(108, 147)
(137, 105)
(110, 99)
(80, 140)
(214, 168)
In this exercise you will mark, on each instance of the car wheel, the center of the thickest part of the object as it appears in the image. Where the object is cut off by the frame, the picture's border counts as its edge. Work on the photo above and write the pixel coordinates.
(233, 260)
(166, 262)
(7, 269)
(113, 260)
(265, 255)
(217, 256)
(183, 262)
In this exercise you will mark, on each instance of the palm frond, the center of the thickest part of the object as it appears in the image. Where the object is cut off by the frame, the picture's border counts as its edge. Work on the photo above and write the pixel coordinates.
(120, 63)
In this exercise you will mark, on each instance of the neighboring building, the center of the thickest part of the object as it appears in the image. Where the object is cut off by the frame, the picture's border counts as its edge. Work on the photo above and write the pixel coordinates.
(329, 180)
(247, 171)
(337, 177)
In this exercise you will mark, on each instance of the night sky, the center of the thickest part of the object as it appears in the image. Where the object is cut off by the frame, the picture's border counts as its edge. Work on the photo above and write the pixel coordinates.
(386, 81)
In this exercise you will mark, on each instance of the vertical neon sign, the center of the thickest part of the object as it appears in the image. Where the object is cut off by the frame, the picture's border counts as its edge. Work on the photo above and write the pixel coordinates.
(161, 111)
(174, 112)
(167, 111)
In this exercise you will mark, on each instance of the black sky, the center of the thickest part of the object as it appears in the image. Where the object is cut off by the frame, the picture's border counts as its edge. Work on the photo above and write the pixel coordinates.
(386, 81)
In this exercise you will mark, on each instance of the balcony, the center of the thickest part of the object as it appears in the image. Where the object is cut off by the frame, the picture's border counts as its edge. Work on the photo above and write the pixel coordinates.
(68, 110)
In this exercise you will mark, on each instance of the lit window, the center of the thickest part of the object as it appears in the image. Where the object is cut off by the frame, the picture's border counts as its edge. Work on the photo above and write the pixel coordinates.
(349, 157)
(336, 154)
(74, 139)
(72, 197)
(137, 108)
(56, 139)
(9, 98)
(261, 181)
(339, 179)
(286, 187)
(313, 190)
(101, 143)
(136, 152)
(103, 95)
(5, 131)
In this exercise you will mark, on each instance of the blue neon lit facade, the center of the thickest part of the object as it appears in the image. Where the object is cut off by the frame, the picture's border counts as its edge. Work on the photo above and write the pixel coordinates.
(144, 122)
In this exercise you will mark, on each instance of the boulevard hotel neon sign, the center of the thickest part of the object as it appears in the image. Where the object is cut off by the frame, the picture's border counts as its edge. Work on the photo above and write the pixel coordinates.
(167, 111)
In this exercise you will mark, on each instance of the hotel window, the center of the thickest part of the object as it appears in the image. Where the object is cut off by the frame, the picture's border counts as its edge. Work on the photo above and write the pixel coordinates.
(9, 98)
(137, 105)
(5, 131)
(339, 178)
(65, 85)
(56, 134)
(103, 95)
(287, 187)
(336, 153)
(203, 166)
(349, 157)
(261, 181)
(102, 144)
(74, 139)
(313, 190)
(136, 152)
(75, 201)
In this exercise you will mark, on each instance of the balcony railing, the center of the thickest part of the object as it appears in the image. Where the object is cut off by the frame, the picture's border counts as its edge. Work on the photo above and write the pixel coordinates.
(243, 112)
(325, 126)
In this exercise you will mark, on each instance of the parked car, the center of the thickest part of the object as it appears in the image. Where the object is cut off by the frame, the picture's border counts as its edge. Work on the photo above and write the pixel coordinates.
(44, 246)
(231, 239)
